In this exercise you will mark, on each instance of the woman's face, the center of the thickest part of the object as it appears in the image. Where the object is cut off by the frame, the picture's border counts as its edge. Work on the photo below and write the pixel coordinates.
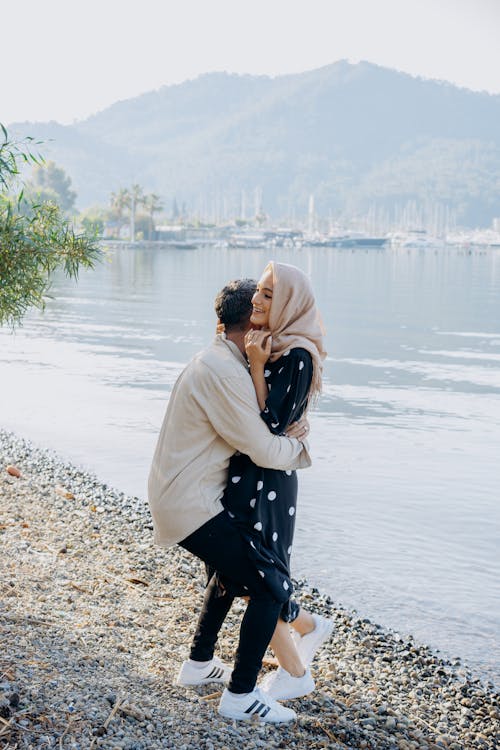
(262, 300)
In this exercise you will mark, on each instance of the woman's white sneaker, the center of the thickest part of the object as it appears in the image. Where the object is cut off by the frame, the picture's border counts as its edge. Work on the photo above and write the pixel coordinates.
(282, 686)
(308, 644)
(214, 671)
(255, 704)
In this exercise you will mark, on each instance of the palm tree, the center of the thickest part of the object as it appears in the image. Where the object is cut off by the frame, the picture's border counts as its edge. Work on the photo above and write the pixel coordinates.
(119, 202)
(137, 198)
(153, 205)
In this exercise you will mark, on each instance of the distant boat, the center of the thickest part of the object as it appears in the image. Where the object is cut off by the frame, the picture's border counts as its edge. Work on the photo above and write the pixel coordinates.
(248, 240)
(414, 238)
(360, 241)
(353, 239)
(477, 238)
(179, 244)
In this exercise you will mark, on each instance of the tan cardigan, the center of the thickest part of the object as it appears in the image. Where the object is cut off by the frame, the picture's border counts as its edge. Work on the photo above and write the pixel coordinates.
(212, 413)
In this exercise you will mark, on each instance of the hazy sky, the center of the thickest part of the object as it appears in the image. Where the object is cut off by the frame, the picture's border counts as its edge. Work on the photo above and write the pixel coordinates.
(65, 59)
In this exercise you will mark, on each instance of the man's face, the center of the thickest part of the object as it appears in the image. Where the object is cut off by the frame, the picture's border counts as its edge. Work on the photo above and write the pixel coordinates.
(262, 300)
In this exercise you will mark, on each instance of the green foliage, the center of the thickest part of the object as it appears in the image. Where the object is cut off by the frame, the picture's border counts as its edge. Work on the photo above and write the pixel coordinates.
(50, 182)
(93, 220)
(35, 239)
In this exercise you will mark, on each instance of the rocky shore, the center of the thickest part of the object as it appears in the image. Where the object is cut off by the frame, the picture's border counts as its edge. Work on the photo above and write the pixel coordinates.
(95, 621)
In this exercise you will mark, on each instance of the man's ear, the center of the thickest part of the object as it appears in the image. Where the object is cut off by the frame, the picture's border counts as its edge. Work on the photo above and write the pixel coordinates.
(220, 328)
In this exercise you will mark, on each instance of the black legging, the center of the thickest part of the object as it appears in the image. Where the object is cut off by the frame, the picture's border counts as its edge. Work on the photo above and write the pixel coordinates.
(219, 544)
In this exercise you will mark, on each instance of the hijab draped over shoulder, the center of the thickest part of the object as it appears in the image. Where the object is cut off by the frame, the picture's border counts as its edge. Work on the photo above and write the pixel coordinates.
(294, 319)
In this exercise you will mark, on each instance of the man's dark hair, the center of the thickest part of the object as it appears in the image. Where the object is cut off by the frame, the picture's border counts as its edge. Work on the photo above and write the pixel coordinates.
(233, 304)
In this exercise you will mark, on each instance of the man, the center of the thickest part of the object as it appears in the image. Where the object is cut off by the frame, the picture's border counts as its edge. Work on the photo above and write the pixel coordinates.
(212, 413)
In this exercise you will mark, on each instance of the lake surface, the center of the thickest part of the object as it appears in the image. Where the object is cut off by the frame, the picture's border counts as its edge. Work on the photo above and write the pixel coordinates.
(399, 517)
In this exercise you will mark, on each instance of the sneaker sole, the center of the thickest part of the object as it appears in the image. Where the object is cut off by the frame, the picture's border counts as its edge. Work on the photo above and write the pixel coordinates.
(291, 697)
(251, 718)
(201, 682)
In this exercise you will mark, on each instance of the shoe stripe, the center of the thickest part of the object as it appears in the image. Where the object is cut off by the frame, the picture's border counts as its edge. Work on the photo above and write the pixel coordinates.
(213, 673)
(219, 674)
(260, 708)
(250, 709)
(265, 711)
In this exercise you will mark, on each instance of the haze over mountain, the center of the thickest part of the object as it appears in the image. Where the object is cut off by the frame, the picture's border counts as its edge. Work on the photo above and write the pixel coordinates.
(356, 136)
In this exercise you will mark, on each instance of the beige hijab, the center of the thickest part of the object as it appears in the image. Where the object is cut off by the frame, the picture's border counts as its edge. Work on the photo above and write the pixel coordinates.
(294, 319)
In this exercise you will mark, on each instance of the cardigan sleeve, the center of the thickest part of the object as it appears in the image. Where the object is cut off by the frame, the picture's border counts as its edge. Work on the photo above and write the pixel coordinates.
(289, 390)
(230, 405)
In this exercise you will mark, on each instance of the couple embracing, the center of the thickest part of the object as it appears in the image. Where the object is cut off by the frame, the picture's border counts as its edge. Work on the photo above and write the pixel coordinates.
(223, 486)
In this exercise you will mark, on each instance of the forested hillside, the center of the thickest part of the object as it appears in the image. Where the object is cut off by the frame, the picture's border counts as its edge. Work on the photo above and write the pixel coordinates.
(358, 137)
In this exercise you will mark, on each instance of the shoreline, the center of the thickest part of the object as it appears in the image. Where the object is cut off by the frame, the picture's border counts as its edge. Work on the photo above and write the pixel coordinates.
(95, 621)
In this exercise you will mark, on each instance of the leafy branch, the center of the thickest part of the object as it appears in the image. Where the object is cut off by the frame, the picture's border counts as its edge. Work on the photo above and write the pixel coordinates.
(35, 239)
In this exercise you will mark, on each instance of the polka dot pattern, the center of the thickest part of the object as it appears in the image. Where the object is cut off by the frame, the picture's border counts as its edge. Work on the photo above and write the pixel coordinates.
(264, 499)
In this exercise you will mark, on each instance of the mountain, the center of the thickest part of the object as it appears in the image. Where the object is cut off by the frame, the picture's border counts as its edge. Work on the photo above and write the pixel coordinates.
(356, 136)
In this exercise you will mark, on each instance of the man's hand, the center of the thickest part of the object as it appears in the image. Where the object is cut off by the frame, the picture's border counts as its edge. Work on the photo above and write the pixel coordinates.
(299, 429)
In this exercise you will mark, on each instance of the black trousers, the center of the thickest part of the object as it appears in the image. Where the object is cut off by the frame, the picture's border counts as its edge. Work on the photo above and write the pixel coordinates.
(220, 546)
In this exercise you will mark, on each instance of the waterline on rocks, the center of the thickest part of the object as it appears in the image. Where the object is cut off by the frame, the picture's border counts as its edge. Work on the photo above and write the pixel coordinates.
(95, 621)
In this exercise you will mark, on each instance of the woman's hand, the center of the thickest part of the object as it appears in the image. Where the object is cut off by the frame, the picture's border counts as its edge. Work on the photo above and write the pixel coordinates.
(299, 429)
(258, 348)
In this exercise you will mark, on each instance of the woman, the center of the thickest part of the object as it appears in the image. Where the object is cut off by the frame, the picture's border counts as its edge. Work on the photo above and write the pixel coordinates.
(285, 353)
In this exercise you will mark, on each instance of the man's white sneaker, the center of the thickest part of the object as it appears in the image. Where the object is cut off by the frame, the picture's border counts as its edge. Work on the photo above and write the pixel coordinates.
(281, 686)
(255, 704)
(214, 671)
(308, 644)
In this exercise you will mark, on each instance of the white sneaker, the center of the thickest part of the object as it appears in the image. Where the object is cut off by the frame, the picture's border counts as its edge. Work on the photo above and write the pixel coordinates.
(308, 644)
(281, 686)
(256, 703)
(214, 671)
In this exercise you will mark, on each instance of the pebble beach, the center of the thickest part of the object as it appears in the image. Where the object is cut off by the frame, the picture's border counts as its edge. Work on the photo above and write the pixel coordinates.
(95, 622)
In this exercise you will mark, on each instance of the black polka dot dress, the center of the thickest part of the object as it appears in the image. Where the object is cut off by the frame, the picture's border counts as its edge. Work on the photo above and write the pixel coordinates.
(262, 502)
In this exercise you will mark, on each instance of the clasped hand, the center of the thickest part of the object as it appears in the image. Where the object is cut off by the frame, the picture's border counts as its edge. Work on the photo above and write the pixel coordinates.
(258, 350)
(258, 347)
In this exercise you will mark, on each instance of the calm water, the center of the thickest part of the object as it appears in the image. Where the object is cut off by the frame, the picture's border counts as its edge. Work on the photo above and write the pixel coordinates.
(399, 516)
